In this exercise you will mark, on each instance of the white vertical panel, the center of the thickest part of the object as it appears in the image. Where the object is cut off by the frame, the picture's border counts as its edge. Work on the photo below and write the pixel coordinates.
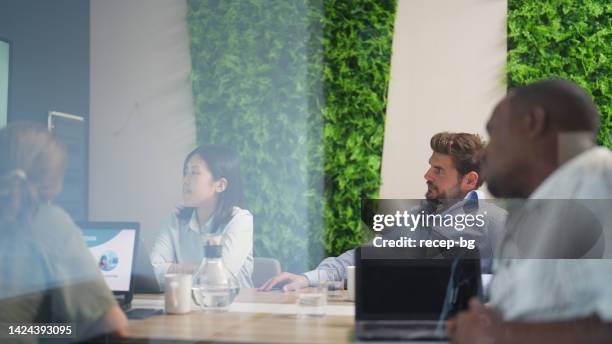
(447, 73)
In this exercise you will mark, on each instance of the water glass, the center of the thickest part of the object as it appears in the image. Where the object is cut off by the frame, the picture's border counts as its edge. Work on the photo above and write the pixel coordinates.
(312, 301)
(332, 280)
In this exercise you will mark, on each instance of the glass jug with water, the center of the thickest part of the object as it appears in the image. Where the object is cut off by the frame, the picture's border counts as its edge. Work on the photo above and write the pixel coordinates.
(213, 290)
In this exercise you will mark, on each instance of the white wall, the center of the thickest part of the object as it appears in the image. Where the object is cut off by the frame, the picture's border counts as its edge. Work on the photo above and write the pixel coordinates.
(142, 123)
(446, 75)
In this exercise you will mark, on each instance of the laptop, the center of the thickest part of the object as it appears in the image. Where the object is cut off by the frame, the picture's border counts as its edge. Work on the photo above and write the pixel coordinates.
(114, 246)
(145, 281)
(411, 298)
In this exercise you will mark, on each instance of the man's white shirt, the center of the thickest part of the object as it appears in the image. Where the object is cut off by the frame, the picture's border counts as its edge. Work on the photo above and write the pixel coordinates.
(556, 289)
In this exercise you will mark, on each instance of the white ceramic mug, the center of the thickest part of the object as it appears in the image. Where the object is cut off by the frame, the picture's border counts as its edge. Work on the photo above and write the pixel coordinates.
(350, 284)
(177, 296)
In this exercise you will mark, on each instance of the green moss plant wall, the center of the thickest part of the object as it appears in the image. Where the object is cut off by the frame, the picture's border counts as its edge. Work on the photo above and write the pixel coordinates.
(567, 39)
(357, 39)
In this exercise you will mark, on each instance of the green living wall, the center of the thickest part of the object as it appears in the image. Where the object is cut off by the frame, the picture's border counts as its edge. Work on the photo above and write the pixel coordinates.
(357, 37)
(298, 89)
(567, 39)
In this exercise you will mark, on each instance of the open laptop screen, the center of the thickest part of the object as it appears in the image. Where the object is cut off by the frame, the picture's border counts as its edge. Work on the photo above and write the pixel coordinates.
(403, 289)
(113, 246)
(413, 289)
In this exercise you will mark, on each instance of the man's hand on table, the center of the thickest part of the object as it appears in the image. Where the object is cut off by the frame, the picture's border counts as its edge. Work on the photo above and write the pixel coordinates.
(481, 325)
(476, 325)
(287, 280)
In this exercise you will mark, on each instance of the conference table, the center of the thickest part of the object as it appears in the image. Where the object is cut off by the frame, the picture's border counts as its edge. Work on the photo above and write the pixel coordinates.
(254, 317)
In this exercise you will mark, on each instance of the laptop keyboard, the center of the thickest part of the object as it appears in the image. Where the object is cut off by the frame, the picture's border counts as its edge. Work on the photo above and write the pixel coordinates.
(400, 330)
(397, 326)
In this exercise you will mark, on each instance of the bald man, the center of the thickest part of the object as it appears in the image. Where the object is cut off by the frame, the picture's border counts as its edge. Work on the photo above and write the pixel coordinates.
(542, 149)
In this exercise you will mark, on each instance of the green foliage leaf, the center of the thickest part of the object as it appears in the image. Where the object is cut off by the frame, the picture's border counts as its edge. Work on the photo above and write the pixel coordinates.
(357, 37)
(565, 39)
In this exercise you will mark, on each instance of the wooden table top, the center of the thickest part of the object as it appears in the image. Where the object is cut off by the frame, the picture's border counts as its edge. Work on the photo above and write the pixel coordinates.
(249, 326)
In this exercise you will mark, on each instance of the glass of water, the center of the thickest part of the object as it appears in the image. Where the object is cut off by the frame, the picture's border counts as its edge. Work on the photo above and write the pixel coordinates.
(312, 298)
(311, 301)
(331, 279)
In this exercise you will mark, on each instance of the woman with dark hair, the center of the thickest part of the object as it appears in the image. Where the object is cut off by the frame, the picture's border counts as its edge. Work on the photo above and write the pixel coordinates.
(47, 273)
(213, 197)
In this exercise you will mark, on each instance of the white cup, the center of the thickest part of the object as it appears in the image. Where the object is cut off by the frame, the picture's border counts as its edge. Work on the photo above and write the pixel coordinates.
(177, 297)
(350, 284)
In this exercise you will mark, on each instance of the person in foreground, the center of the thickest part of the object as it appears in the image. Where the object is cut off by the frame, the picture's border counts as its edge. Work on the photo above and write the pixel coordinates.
(542, 149)
(47, 273)
(452, 179)
(212, 197)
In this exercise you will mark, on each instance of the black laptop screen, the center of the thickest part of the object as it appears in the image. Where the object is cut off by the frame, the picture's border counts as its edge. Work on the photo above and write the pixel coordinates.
(414, 289)
(395, 289)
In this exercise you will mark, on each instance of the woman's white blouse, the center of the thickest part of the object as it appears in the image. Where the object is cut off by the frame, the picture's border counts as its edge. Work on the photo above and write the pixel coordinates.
(183, 243)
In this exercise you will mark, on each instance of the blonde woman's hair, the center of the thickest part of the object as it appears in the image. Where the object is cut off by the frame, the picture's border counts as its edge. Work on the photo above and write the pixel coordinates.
(32, 165)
